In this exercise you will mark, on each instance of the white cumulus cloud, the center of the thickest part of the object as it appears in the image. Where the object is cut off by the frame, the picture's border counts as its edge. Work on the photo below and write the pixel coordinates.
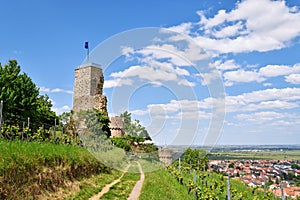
(247, 76)
(253, 25)
(55, 90)
(62, 109)
(293, 78)
(242, 76)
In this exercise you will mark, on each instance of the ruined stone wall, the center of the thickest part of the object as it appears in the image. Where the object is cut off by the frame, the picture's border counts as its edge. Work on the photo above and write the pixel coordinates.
(117, 126)
(88, 88)
(165, 155)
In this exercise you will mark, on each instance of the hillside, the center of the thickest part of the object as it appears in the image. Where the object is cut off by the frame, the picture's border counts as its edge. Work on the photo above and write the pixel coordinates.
(29, 170)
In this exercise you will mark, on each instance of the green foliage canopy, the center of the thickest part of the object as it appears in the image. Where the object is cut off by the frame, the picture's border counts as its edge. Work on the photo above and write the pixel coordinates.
(96, 121)
(196, 158)
(133, 127)
(21, 99)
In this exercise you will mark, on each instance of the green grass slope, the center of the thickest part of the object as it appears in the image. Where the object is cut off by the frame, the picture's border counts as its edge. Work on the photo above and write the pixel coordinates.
(160, 184)
(27, 170)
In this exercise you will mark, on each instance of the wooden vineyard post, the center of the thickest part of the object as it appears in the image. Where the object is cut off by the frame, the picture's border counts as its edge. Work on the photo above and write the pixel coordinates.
(23, 127)
(228, 187)
(265, 186)
(28, 125)
(282, 191)
(195, 182)
(54, 129)
(1, 108)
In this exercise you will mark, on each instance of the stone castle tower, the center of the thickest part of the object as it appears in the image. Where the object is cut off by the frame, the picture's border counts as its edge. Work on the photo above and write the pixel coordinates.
(88, 94)
(88, 88)
(165, 155)
(117, 126)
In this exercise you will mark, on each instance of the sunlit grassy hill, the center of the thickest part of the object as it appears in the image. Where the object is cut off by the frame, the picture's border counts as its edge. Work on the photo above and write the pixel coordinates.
(29, 169)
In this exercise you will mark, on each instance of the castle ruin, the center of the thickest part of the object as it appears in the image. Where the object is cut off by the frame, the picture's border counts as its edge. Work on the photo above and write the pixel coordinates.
(88, 94)
(117, 126)
(165, 155)
(88, 88)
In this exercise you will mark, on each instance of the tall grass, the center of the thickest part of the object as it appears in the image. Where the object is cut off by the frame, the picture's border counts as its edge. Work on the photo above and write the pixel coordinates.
(29, 169)
(161, 185)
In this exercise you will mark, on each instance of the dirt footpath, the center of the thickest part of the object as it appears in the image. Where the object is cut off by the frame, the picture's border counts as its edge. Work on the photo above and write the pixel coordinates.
(108, 186)
(135, 193)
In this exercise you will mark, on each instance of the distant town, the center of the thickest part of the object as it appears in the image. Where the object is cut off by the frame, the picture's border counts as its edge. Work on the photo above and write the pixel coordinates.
(275, 168)
(277, 175)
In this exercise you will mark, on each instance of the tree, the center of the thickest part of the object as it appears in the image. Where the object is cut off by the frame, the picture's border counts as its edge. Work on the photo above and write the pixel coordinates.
(22, 100)
(127, 120)
(270, 182)
(96, 121)
(18, 92)
(295, 166)
(68, 123)
(134, 127)
(231, 165)
(122, 142)
(65, 117)
(44, 116)
(196, 158)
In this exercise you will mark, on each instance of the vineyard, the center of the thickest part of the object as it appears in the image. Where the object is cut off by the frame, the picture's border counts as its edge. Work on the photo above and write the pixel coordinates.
(192, 173)
(33, 170)
(206, 185)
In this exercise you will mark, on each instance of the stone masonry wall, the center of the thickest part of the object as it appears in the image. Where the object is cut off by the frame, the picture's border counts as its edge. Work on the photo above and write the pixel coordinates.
(117, 126)
(165, 155)
(88, 88)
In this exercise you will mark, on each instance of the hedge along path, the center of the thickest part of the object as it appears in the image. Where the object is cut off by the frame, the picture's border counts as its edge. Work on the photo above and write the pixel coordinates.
(108, 186)
(136, 191)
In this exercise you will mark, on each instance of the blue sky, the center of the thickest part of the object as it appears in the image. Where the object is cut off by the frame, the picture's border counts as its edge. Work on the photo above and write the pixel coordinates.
(251, 46)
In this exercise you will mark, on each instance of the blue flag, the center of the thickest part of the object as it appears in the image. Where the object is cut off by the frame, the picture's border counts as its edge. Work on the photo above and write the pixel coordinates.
(86, 45)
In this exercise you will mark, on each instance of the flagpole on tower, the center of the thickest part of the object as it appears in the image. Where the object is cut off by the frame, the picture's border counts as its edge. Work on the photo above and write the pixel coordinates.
(86, 46)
